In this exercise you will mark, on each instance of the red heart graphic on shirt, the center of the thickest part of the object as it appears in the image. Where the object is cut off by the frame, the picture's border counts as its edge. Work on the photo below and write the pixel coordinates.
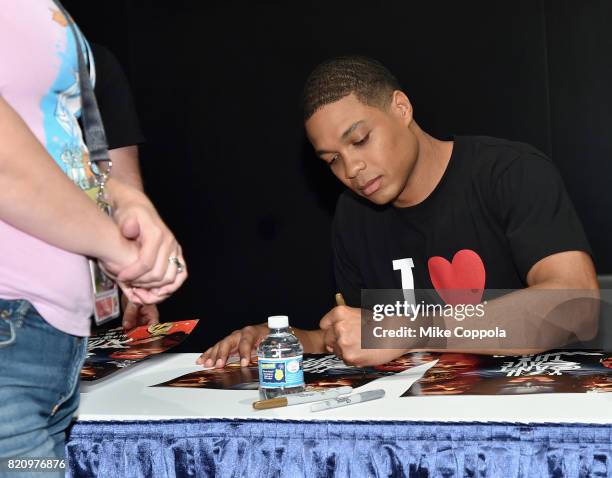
(460, 281)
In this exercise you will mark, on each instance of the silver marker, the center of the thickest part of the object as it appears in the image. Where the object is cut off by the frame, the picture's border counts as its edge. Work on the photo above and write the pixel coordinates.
(348, 400)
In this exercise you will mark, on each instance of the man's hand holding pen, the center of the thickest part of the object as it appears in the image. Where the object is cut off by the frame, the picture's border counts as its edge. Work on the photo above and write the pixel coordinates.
(342, 336)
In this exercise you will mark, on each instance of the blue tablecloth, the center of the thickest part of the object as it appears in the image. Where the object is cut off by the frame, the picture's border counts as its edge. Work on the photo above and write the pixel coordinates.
(258, 448)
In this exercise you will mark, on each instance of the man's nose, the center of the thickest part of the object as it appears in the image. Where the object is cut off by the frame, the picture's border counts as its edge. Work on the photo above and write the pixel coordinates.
(352, 167)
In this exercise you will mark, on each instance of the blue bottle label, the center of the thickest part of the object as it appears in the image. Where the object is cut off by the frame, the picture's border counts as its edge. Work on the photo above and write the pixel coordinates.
(281, 372)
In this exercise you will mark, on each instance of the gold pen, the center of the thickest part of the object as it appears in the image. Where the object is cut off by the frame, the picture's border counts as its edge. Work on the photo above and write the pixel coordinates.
(303, 397)
(340, 299)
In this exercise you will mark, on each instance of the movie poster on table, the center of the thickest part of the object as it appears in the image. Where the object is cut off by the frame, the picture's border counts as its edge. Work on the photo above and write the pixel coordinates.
(558, 371)
(111, 350)
(321, 371)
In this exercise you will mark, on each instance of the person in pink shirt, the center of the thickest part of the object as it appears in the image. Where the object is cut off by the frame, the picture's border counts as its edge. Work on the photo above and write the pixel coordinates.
(49, 227)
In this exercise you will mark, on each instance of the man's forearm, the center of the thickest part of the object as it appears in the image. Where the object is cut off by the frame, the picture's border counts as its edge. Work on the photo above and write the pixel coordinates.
(533, 319)
(39, 199)
(530, 320)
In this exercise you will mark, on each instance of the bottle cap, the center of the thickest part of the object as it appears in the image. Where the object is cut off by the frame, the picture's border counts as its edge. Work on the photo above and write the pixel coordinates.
(278, 322)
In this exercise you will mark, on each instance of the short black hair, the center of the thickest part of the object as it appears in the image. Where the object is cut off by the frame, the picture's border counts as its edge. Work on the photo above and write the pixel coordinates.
(334, 79)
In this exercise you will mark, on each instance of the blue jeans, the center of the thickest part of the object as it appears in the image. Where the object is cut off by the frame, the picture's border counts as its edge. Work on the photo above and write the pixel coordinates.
(39, 378)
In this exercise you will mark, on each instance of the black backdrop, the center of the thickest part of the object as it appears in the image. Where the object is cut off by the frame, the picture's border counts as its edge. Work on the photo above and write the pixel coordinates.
(217, 88)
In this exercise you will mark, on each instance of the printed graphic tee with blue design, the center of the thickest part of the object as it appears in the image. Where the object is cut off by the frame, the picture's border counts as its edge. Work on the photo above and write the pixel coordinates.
(39, 80)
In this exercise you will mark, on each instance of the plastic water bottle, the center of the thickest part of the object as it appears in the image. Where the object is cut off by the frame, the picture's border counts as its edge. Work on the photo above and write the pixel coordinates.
(279, 358)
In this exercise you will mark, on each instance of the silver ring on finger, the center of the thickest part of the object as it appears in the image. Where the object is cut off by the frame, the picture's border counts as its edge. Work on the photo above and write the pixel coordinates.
(180, 267)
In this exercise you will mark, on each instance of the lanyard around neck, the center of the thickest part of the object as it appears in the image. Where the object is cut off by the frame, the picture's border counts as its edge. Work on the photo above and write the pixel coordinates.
(95, 137)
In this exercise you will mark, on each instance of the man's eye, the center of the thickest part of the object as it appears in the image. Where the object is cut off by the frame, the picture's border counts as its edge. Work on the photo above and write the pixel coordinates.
(362, 141)
(332, 161)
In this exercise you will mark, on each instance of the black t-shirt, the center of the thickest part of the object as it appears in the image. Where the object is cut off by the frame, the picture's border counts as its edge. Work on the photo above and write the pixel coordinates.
(115, 100)
(499, 208)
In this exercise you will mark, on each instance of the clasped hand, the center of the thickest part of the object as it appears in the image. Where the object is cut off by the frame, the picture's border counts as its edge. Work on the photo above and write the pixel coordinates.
(150, 266)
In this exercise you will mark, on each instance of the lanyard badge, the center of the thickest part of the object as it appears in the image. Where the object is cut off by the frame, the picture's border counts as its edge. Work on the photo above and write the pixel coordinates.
(105, 290)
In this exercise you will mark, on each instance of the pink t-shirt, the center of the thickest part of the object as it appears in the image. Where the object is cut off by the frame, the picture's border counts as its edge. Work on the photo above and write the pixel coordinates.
(39, 79)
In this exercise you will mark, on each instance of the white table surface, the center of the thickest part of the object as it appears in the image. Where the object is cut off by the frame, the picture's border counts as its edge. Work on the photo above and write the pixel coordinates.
(130, 397)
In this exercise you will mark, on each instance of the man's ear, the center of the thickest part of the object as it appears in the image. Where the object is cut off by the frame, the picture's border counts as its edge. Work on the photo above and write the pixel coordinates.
(401, 106)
